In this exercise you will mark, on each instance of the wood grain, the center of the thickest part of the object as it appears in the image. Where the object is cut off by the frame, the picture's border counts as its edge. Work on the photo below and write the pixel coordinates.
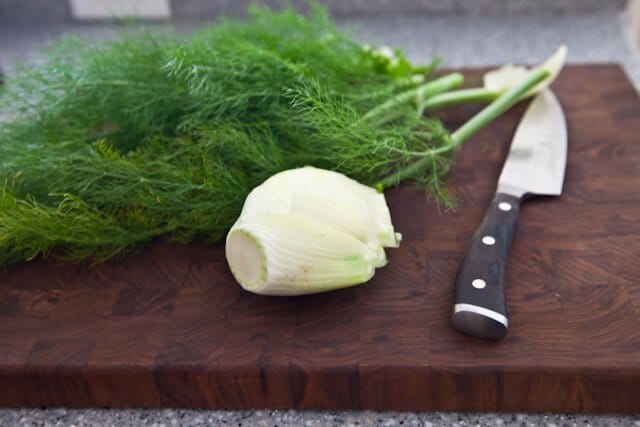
(169, 327)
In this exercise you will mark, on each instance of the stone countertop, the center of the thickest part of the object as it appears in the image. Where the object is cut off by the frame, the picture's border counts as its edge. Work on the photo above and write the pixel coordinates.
(460, 40)
(281, 418)
(470, 40)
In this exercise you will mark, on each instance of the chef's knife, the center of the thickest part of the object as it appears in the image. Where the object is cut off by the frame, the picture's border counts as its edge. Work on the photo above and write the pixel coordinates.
(534, 166)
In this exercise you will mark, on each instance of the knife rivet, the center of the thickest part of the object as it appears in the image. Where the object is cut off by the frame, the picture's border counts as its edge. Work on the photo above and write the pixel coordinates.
(478, 283)
(504, 206)
(488, 240)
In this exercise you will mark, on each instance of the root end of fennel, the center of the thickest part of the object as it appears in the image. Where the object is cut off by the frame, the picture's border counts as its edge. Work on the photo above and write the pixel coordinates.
(284, 244)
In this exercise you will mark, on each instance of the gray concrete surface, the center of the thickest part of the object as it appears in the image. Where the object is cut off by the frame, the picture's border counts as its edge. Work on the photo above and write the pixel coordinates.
(471, 40)
(29, 12)
(170, 417)
(461, 40)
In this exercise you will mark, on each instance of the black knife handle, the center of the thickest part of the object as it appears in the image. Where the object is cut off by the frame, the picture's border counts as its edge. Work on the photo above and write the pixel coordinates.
(480, 304)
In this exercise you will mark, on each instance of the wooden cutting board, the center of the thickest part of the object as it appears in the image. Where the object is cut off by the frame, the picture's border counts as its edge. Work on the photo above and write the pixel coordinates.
(169, 327)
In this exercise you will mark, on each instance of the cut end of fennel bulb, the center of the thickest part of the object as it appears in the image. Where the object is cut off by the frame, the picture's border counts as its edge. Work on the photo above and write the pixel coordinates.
(309, 230)
(508, 76)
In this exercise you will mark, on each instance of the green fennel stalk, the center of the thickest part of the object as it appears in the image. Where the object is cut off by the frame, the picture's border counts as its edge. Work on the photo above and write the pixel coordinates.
(384, 112)
(461, 96)
(473, 125)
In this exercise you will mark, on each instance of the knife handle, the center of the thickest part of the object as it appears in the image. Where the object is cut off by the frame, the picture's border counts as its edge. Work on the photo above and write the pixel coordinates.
(480, 305)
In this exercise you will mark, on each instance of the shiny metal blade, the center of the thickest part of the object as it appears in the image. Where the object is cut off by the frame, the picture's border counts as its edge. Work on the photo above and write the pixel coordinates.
(538, 154)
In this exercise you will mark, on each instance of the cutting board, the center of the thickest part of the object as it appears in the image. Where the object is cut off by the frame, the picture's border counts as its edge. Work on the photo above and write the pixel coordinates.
(169, 327)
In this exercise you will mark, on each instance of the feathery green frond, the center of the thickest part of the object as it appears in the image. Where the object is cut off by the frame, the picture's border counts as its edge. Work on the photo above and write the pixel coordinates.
(163, 135)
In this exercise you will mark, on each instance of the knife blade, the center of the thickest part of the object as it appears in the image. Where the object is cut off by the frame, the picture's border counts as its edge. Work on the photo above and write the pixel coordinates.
(535, 165)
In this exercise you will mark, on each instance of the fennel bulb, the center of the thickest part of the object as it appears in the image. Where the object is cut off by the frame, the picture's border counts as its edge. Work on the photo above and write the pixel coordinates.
(309, 230)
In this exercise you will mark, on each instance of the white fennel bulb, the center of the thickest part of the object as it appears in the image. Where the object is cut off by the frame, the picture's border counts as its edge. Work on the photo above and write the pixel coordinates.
(309, 230)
